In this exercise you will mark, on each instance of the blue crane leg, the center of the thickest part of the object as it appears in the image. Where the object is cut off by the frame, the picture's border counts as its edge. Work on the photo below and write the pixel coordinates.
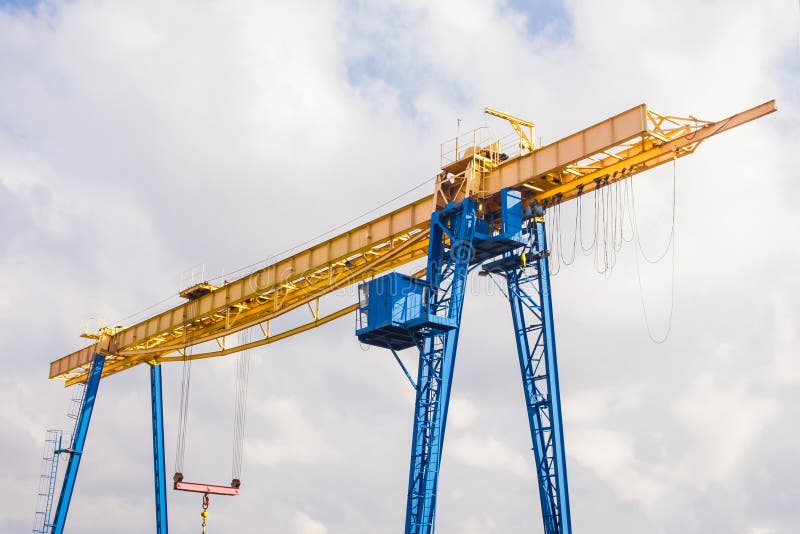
(532, 314)
(157, 406)
(78, 441)
(449, 254)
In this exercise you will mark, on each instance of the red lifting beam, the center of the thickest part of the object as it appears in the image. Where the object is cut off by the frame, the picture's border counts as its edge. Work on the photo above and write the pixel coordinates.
(212, 489)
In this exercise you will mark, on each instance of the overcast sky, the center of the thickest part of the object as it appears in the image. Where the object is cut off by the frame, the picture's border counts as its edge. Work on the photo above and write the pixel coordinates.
(140, 138)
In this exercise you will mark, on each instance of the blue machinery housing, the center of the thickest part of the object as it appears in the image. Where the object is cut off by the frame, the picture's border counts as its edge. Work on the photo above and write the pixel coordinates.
(399, 312)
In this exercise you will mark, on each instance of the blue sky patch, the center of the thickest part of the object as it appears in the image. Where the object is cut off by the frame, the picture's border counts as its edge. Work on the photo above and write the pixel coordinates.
(543, 15)
(16, 5)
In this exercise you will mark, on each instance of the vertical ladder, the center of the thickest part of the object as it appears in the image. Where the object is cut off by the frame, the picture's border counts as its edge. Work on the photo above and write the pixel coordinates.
(53, 448)
(47, 483)
(74, 410)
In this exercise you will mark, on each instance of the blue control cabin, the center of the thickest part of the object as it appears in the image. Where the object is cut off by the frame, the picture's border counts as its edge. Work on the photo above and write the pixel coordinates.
(394, 308)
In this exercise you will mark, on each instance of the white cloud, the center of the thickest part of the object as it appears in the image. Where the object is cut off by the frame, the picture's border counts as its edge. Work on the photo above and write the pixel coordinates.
(303, 524)
(15, 420)
(784, 340)
(596, 405)
(477, 525)
(293, 437)
(461, 414)
(721, 423)
(611, 456)
(489, 453)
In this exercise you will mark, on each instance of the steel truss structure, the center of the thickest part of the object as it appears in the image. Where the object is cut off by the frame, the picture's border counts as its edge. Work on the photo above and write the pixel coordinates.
(433, 323)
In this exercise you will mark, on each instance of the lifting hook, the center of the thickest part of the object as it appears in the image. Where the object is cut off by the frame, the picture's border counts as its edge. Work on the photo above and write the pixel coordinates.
(204, 513)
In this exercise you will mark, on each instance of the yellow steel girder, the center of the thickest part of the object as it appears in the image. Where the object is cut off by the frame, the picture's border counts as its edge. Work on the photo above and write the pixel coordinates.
(621, 146)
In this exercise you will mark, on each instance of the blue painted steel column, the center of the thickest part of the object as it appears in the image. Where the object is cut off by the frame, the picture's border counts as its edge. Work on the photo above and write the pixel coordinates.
(157, 405)
(78, 441)
(532, 314)
(449, 254)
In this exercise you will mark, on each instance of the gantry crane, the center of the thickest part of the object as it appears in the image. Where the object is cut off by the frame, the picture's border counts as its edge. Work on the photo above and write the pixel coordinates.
(486, 214)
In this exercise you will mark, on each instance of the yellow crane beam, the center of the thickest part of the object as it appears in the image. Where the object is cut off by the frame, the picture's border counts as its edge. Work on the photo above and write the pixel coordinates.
(616, 148)
(593, 157)
(372, 248)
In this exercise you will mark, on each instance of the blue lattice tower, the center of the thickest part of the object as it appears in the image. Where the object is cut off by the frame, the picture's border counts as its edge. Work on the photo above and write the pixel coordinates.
(528, 289)
(398, 312)
(449, 255)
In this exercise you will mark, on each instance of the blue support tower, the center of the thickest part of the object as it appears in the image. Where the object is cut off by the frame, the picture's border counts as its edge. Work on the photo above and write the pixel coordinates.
(396, 312)
(529, 295)
(449, 255)
(78, 440)
(157, 406)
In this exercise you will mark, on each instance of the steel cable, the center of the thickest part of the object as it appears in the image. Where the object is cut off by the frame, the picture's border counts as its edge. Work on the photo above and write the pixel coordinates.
(670, 245)
(636, 225)
(240, 403)
(183, 407)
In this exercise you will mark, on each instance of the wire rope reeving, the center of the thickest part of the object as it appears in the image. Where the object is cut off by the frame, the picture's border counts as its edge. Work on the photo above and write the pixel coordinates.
(600, 257)
(626, 210)
(550, 216)
(662, 255)
(614, 206)
(612, 224)
(586, 250)
(602, 221)
(242, 379)
(186, 379)
(183, 406)
(609, 221)
(670, 245)
(562, 257)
